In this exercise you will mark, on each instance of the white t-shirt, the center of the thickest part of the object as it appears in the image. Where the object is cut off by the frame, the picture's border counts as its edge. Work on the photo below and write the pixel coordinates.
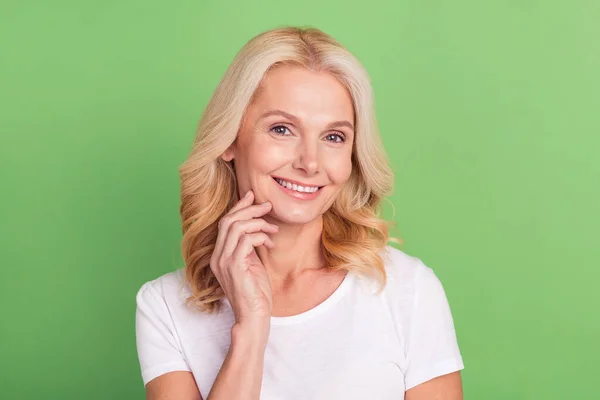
(354, 345)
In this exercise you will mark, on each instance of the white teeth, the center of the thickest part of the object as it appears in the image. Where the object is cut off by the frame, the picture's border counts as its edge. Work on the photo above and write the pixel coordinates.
(297, 188)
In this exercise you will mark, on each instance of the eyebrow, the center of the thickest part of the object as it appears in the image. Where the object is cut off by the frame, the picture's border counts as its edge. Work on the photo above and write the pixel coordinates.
(296, 120)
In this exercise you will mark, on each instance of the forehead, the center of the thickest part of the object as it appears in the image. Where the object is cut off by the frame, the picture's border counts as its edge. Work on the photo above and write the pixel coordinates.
(304, 93)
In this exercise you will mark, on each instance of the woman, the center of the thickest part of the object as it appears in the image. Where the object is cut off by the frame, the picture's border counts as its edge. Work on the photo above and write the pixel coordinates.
(290, 290)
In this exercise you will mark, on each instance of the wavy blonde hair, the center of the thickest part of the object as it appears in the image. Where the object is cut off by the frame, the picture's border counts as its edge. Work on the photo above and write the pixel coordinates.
(353, 234)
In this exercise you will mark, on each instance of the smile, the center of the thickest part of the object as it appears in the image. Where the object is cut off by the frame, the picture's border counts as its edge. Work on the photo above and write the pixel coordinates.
(303, 192)
(298, 188)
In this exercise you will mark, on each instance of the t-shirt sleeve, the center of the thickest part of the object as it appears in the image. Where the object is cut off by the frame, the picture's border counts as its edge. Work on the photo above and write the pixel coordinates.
(432, 348)
(158, 347)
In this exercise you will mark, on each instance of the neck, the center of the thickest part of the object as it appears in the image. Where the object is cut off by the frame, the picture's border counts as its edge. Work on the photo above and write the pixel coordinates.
(297, 250)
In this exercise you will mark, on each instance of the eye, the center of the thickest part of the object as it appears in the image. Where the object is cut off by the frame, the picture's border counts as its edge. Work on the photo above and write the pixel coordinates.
(338, 137)
(279, 129)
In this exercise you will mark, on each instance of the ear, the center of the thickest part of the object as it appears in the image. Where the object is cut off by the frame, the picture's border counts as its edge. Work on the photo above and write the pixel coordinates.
(228, 154)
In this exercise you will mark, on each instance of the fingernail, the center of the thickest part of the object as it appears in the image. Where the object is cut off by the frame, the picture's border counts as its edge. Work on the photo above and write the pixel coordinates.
(247, 194)
(265, 204)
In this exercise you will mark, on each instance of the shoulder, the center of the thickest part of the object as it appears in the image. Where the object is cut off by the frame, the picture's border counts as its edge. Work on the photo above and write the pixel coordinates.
(170, 288)
(408, 282)
(166, 298)
(404, 269)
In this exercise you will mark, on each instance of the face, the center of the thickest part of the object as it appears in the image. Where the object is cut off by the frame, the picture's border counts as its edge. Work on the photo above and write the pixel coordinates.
(294, 147)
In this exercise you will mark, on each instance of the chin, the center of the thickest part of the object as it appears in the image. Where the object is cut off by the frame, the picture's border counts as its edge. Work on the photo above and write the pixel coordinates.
(291, 218)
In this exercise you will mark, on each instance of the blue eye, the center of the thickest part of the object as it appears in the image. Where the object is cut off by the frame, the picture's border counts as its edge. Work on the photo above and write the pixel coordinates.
(342, 138)
(279, 129)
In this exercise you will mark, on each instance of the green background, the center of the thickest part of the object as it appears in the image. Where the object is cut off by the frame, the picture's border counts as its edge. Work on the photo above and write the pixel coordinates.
(489, 110)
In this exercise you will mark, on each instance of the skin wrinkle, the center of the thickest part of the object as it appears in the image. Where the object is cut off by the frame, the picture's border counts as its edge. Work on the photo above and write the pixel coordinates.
(297, 121)
(312, 108)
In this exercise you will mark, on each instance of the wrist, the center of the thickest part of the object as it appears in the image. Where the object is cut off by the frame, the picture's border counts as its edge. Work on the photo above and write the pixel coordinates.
(251, 334)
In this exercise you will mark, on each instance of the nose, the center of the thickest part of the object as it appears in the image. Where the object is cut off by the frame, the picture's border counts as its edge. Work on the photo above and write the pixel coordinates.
(307, 157)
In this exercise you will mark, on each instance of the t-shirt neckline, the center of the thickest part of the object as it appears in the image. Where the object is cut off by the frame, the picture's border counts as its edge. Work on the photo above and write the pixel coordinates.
(319, 308)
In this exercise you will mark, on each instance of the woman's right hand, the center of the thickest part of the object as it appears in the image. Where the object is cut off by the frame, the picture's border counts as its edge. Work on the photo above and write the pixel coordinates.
(236, 265)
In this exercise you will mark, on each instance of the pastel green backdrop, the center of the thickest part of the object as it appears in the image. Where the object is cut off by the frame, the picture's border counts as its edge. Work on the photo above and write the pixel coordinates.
(489, 111)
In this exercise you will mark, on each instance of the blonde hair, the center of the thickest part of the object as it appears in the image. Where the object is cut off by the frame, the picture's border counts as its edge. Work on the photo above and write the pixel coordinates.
(353, 235)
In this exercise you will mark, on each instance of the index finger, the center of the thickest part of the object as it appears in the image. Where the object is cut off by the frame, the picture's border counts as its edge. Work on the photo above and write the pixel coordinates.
(243, 202)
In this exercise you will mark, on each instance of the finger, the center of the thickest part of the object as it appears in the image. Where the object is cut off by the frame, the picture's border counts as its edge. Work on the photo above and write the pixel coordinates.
(252, 211)
(249, 212)
(240, 227)
(225, 221)
(248, 242)
(245, 201)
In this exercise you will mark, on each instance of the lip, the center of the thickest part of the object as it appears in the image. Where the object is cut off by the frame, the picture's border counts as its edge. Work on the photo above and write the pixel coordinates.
(295, 194)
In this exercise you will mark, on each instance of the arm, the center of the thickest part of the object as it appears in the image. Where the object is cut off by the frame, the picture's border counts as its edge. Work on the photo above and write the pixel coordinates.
(434, 359)
(177, 385)
(246, 284)
(165, 371)
(240, 376)
(445, 387)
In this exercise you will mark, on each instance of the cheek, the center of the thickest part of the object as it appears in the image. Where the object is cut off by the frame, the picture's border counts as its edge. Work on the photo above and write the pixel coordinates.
(339, 169)
(265, 155)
